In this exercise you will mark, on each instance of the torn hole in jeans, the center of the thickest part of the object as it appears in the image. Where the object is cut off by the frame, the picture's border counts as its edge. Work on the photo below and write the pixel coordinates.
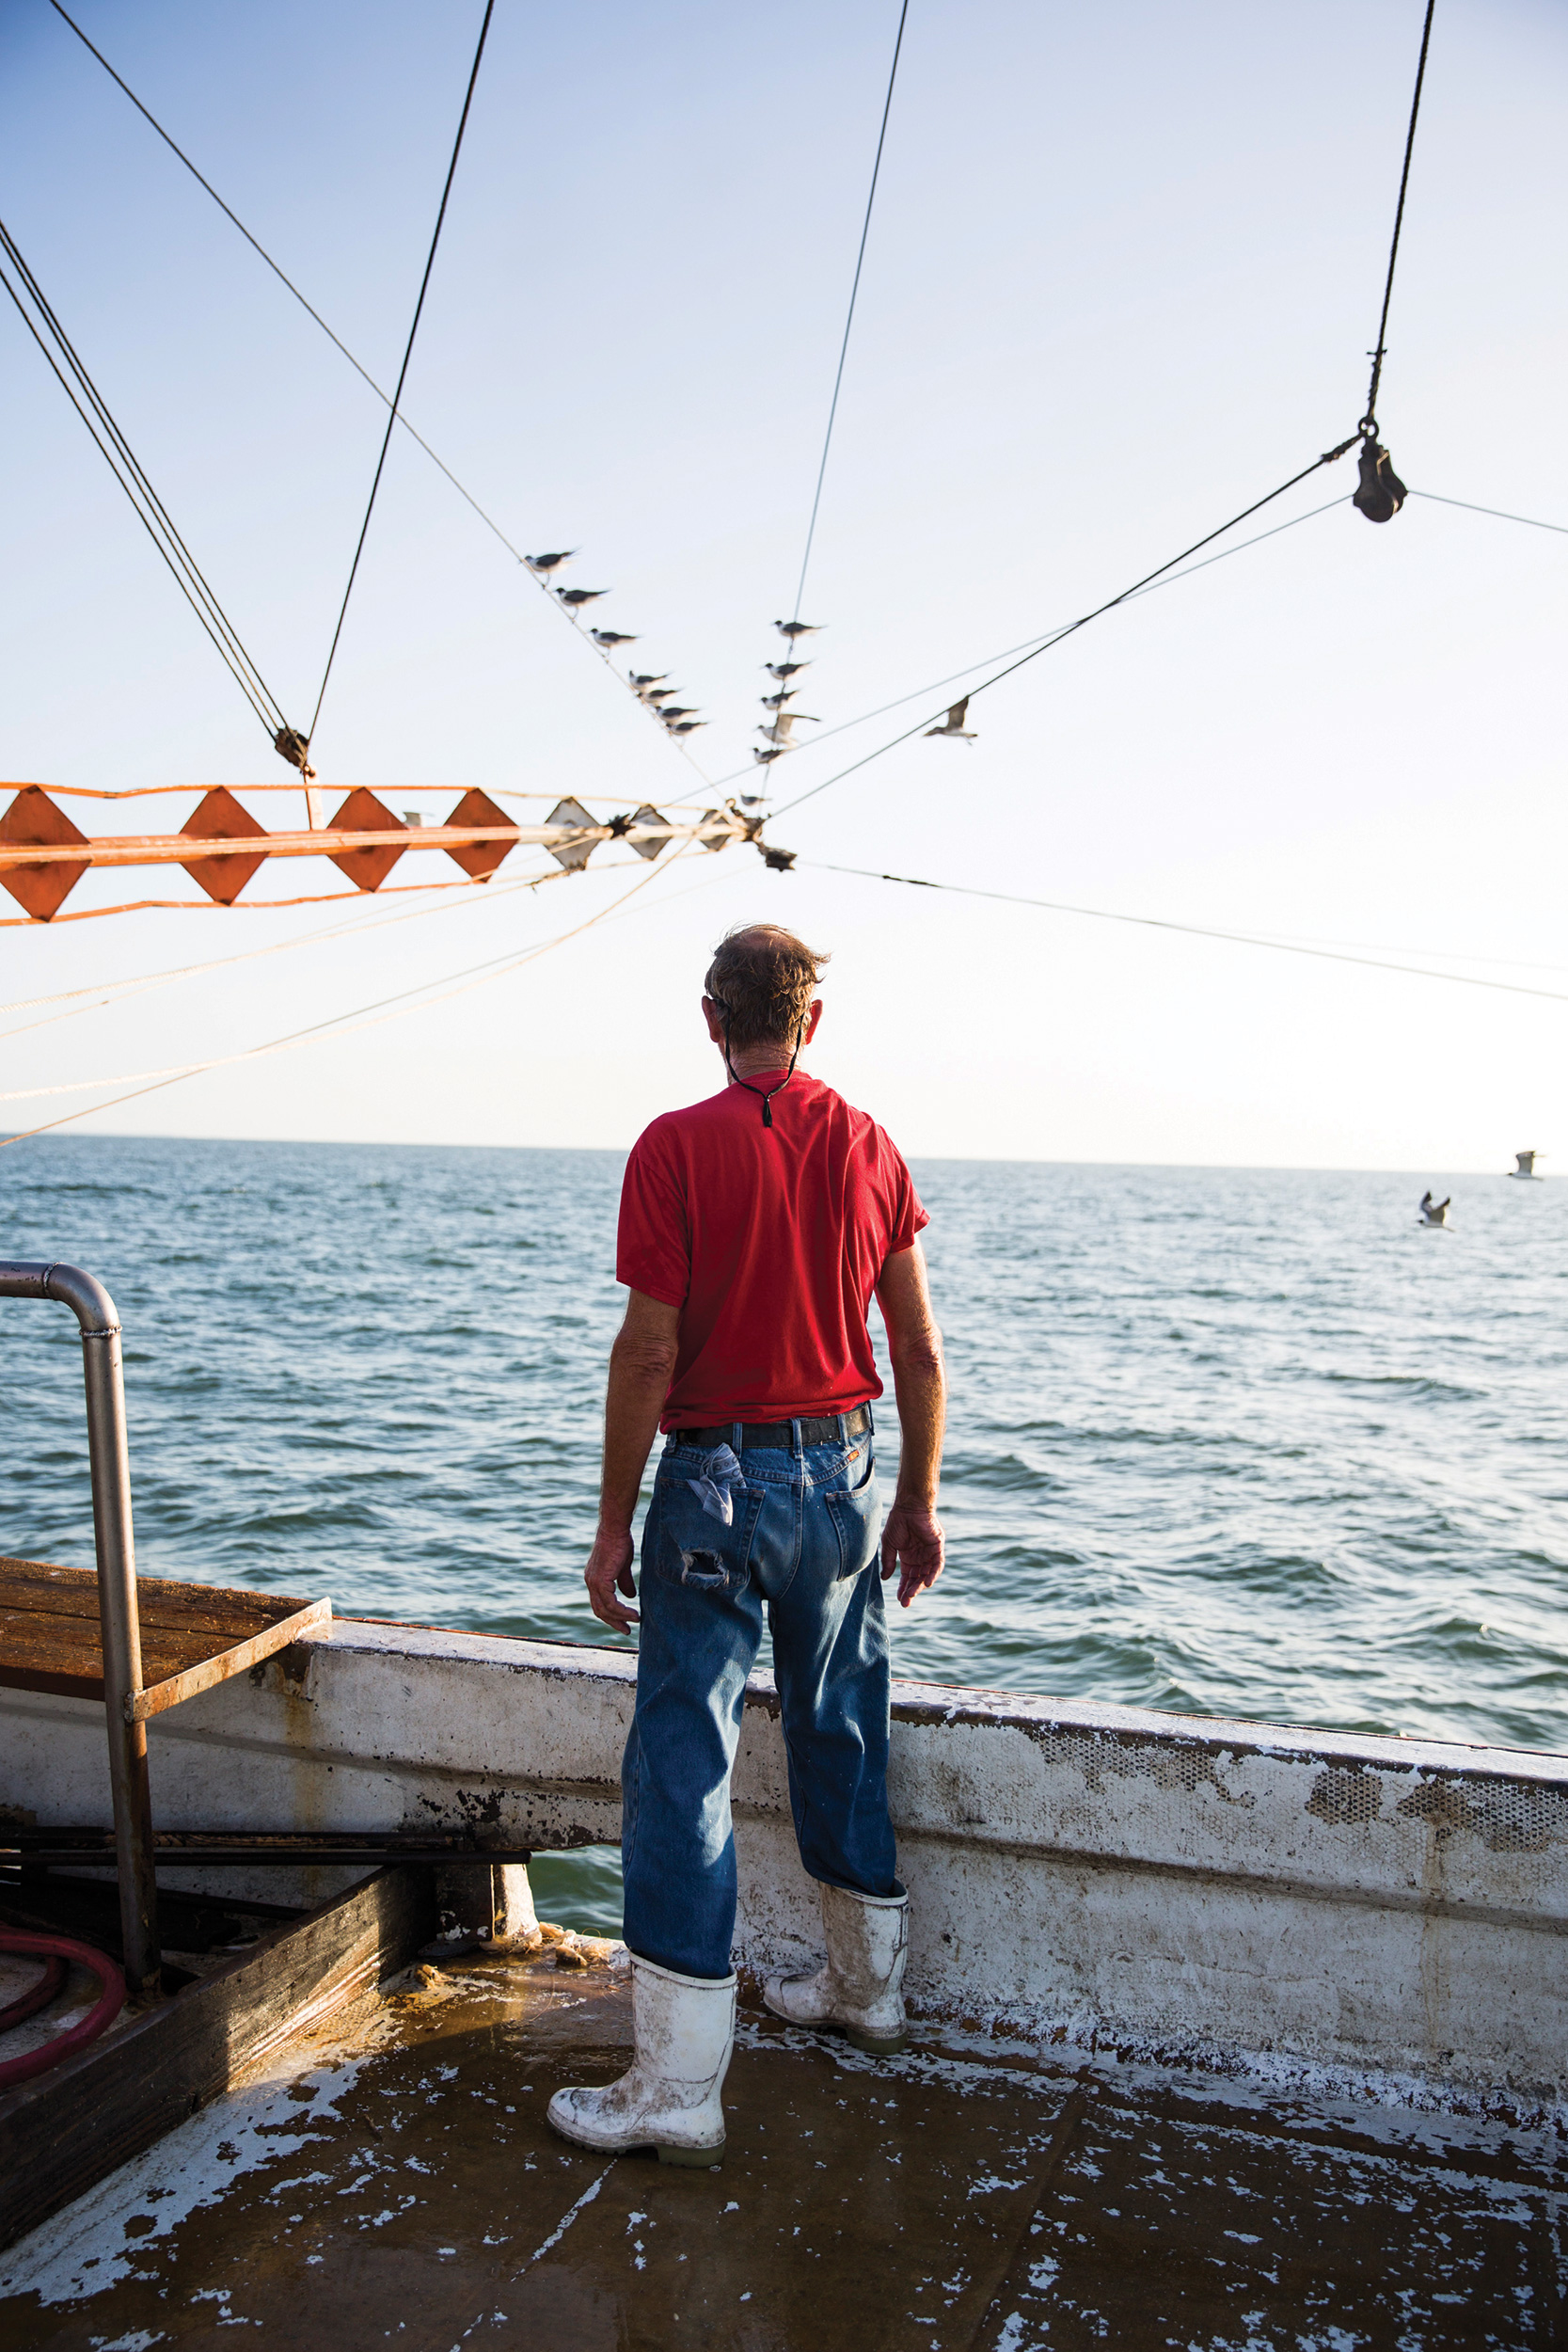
(703, 1568)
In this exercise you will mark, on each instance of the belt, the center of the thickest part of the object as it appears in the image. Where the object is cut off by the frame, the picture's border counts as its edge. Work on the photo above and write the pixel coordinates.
(779, 1435)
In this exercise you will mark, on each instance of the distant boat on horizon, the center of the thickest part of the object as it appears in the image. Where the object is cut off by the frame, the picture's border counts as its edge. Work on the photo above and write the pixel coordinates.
(1527, 1166)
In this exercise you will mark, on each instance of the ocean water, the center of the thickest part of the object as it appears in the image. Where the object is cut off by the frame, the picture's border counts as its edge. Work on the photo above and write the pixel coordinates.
(1222, 1442)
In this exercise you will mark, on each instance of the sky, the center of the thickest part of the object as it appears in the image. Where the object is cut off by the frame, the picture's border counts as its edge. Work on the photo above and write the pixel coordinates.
(1122, 278)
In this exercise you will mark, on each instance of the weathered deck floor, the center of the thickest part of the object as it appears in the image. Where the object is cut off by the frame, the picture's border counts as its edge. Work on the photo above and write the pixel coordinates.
(406, 2189)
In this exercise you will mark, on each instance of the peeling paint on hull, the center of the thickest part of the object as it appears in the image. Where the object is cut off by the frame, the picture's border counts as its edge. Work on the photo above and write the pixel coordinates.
(1229, 1891)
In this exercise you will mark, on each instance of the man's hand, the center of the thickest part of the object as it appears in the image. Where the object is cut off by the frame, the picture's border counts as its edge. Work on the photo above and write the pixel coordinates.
(912, 1540)
(608, 1571)
(913, 1549)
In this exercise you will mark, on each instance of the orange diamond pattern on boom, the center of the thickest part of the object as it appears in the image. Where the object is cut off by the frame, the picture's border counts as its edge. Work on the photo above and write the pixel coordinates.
(220, 817)
(33, 818)
(363, 813)
(479, 858)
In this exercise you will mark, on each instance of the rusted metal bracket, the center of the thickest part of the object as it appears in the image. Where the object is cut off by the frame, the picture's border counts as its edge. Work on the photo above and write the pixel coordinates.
(140, 1706)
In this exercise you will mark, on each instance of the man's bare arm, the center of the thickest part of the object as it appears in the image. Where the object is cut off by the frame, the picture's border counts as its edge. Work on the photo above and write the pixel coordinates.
(912, 1541)
(640, 1363)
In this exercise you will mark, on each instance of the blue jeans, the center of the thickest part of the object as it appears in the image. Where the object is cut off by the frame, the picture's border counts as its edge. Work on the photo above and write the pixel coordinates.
(803, 1538)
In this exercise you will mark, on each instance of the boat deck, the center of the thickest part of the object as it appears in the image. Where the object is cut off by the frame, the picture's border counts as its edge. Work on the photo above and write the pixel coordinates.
(399, 2184)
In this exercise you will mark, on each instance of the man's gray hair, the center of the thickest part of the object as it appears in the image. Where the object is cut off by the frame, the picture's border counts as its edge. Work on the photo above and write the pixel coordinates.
(763, 980)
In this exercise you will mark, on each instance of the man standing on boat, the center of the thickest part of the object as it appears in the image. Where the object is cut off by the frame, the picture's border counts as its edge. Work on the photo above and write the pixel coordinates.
(754, 1229)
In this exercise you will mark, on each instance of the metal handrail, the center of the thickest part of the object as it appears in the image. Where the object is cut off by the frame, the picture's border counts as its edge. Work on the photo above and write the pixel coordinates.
(109, 1459)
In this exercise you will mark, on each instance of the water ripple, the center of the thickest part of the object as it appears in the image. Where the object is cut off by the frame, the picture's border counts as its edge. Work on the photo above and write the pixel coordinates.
(1230, 1442)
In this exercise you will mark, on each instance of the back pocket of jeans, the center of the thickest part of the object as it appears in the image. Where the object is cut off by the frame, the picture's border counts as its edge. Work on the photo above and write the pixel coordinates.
(690, 1547)
(856, 1513)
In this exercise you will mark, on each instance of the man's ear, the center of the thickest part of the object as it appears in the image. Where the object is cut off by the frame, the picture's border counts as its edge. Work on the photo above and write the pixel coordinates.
(812, 1019)
(715, 1024)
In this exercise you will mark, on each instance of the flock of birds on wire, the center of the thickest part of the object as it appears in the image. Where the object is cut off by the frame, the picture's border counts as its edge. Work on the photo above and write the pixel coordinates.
(653, 690)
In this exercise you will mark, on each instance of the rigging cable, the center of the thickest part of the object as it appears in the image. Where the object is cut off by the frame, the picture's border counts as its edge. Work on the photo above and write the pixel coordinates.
(408, 353)
(849, 321)
(140, 983)
(918, 693)
(246, 906)
(150, 510)
(1497, 512)
(1192, 931)
(954, 677)
(1072, 629)
(1379, 496)
(496, 969)
(362, 371)
(1368, 422)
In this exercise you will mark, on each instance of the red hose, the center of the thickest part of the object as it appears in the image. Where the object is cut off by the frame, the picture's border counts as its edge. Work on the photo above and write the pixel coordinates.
(108, 2008)
(36, 1996)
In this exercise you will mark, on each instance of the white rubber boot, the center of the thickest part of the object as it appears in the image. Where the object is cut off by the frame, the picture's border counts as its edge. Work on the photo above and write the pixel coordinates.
(668, 2099)
(860, 1986)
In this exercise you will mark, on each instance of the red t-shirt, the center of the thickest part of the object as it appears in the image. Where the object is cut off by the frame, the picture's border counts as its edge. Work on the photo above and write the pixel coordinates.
(770, 1241)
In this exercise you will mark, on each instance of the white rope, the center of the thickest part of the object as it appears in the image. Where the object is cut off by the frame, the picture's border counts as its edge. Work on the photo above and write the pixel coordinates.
(506, 964)
(138, 983)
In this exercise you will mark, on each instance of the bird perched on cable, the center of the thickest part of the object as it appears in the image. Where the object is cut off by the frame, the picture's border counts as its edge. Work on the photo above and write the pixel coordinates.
(780, 670)
(577, 597)
(954, 724)
(762, 758)
(678, 710)
(797, 628)
(543, 565)
(610, 638)
(641, 679)
(658, 696)
(689, 727)
(777, 702)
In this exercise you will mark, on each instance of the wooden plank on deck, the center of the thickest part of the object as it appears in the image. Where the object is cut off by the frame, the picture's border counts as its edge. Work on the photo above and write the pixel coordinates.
(50, 1639)
(67, 2129)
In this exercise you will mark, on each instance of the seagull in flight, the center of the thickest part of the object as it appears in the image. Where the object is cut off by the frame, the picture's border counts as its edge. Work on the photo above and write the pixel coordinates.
(954, 724)
(543, 565)
(779, 730)
(797, 628)
(610, 638)
(574, 598)
(781, 670)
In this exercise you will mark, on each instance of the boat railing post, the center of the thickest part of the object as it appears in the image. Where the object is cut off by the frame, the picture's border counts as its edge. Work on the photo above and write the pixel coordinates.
(108, 1456)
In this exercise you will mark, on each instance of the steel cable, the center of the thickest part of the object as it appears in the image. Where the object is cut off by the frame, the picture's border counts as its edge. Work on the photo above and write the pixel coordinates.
(1192, 931)
(1532, 523)
(849, 321)
(1071, 628)
(403, 372)
(1368, 422)
(495, 968)
(1043, 636)
(918, 693)
(128, 471)
(363, 373)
